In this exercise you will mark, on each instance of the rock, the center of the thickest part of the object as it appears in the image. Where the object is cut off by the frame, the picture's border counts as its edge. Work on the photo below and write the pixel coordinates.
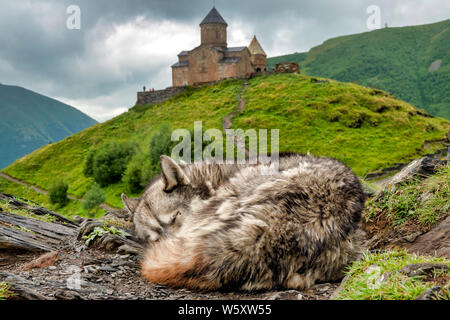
(68, 295)
(434, 242)
(109, 242)
(287, 67)
(430, 294)
(314, 80)
(106, 269)
(336, 292)
(79, 219)
(87, 226)
(418, 168)
(368, 191)
(46, 260)
(128, 250)
(22, 288)
(423, 269)
(285, 295)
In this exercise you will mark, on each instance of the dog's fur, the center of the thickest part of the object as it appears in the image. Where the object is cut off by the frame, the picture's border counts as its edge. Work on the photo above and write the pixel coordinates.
(249, 227)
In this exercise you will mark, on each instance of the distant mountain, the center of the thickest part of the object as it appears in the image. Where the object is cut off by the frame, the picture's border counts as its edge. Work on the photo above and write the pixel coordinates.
(29, 120)
(411, 62)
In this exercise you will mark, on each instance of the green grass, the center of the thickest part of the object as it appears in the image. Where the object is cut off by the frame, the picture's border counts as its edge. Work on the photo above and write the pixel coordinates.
(392, 59)
(4, 291)
(366, 129)
(422, 201)
(363, 285)
(22, 212)
(70, 209)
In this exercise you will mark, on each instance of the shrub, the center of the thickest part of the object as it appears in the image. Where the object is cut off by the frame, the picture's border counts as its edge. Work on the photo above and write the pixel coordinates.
(88, 170)
(57, 193)
(149, 170)
(93, 198)
(133, 174)
(161, 143)
(139, 172)
(108, 163)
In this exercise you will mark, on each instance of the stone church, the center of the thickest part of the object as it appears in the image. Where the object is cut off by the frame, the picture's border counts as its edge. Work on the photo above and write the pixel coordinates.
(213, 60)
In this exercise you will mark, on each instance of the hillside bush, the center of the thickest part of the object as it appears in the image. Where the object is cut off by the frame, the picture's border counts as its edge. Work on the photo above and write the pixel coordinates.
(161, 143)
(93, 198)
(57, 193)
(108, 163)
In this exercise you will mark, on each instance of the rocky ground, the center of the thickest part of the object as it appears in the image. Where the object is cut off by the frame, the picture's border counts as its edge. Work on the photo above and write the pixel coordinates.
(107, 269)
(44, 256)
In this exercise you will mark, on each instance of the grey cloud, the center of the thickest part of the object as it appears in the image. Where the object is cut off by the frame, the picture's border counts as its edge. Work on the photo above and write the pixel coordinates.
(37, 51)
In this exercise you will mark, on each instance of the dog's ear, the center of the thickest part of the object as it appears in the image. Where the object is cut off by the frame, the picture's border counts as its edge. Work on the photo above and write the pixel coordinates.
(130, 204)
(173, 174)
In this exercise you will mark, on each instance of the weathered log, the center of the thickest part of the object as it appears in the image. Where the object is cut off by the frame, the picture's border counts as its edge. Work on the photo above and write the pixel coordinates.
(18, 203)
(46, 229)
(20, 287)
(17, 239)
(43, 236)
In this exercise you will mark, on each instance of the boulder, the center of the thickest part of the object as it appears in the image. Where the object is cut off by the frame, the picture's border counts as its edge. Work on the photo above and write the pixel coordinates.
(46, 260)
(423, 269)
(418, 168)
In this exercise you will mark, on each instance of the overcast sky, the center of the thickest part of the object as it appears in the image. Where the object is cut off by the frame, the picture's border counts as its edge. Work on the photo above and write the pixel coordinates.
(123, 45)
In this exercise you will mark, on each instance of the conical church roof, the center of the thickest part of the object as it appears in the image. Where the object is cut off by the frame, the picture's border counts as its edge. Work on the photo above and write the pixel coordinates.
(214, 17)
(255, 47)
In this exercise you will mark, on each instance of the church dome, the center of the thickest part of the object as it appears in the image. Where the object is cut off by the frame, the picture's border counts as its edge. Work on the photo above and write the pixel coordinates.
(214, 17)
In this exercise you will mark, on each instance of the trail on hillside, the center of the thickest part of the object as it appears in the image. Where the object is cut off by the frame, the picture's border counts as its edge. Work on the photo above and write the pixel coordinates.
(43, 191)
(227, 121)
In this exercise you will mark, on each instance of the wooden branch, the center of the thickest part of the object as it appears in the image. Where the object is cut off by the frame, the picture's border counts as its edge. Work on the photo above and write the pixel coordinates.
(46, 229)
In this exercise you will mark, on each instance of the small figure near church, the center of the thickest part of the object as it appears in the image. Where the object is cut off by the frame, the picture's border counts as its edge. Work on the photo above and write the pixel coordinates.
(213, 60)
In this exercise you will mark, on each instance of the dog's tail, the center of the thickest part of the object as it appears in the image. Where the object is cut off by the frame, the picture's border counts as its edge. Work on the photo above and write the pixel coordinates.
(176, 263)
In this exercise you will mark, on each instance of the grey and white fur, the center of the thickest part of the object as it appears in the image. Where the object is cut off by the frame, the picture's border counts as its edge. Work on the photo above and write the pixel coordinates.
(249, 227)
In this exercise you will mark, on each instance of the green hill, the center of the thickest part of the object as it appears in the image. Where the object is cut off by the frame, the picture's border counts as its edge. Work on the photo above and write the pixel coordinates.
(30, 120)
(411, 62)
(367, 129)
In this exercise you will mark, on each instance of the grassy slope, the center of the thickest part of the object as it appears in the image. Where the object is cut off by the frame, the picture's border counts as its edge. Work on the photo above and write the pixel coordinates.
(72, 207)
(311, 117)
(66, 159)
(392, 59)
(419, 201)
(321, 119)
(364, 281)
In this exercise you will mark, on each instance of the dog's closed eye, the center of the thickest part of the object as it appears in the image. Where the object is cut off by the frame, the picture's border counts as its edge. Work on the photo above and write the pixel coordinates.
(174, 217)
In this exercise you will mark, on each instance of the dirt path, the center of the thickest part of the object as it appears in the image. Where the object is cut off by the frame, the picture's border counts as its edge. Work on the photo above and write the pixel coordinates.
(227, 123)
(43, 191)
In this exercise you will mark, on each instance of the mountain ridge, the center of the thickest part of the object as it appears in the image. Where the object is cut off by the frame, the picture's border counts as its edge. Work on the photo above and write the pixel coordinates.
(30, 120)
(399, 60)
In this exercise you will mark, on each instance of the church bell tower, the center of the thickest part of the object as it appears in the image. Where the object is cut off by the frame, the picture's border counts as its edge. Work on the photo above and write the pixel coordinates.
(214, 30)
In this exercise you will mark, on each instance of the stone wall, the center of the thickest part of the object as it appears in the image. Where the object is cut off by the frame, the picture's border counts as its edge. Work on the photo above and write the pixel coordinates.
(180, 76)
(158, 96)
(287, 67)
